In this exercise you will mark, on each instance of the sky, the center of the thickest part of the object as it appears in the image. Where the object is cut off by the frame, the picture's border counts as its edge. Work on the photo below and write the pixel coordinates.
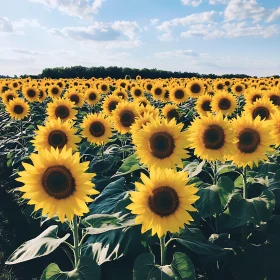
(203, 36)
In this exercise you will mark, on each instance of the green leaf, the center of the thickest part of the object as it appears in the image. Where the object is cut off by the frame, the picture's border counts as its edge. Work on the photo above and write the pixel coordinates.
(194, 168)
(214, 198)
(243, 211)
(40, 246)
(146, 269)
(129, 165)
(87, 270)
(183, 267)
(194, 240)
(100, 220)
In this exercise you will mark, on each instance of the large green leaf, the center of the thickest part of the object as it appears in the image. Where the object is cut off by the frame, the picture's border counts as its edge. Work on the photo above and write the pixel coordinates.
(114, 198)
(194, 168)
(215, 197)
(146, 269)
(194, 240)
(129, 165)
(40, 246)
(87, 270)
(182, 267)
(242, 211)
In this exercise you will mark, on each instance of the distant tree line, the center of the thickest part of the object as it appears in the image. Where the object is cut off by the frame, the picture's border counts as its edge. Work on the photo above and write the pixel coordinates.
(120, 73)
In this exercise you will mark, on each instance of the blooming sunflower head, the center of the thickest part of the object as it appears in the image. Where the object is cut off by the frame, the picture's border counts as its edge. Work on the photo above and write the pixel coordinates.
(56, 182)
(203, 104)
(162, 202)
(18, 109)
(224, 102)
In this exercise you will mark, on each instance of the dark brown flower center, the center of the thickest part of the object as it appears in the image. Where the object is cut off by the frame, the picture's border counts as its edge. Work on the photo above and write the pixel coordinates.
(97, 129)
(161, 145)
(75, 98)
(120, 94)
(137, 92)
(179, 94)
(172, 114)
(195, 88)
(144, 103)
(239, 88)
(213, 137)
(104, 87)
(166, 94)
(10, 97)
(31, 93)
(112, 105)
(275, 99)
(158, 91)
(227, 83)
(127, 118)
(149, 86)
(62, 112)
(220, 86)
(249, 140)
(57, 139)
(18, 109)
(41, 94)
(60, 84)
(123, 85)
(92, 96)
(262, 112)
(255, 97)
(224, 104)
(58, 182)
(55, 91)
(163, 201)
(15, 85)
(206, 106)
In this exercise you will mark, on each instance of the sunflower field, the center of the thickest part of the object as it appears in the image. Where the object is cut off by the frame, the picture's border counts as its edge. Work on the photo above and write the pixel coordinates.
(140, 179)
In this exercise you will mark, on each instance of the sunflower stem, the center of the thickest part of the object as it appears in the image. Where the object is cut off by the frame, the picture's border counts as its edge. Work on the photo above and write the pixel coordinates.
(76, 242)
(162, 250)
(21, 132)
(245, 182)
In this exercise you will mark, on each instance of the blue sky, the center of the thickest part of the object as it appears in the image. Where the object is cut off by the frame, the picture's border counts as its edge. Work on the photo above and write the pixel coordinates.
(204, 36)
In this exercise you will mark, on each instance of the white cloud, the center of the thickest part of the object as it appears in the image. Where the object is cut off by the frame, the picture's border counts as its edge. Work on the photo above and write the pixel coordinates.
(154, 21)
(194, 3)
(231, 30)
(274, 15)
(177, 53)
(111, 34)
(215, 2)
(243, 9)
(79, 8)
(5, 25)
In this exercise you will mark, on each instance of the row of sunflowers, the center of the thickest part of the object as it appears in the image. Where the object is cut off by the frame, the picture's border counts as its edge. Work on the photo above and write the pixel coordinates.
(183, 173)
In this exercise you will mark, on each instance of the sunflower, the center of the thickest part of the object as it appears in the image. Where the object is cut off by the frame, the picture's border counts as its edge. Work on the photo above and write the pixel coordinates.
(219, 85)
(178, 95)
(17, 108)
(30, 93)
(224, 102)
(103, 88)
(170, 111)
(263, 108)
(54, 91)
(203, 104)
(274, 96)
(142, 101)
(92, 96)
(161, 143)
(137, 92)
(57, 183)
(158, 92)
(124, 116)
(195, 88)
(211, 137)
(275, 127)
(162, 202)
(253, 95)
(142, 109)
(61, 108)
(238, 88)
(56, 134)
(7, 96)
(252, 140)
(148, 86)
(15, 85)
(140, 122)
(42, 94)
(97, 128)
(120, 93)
(110, 103)
(76, 97)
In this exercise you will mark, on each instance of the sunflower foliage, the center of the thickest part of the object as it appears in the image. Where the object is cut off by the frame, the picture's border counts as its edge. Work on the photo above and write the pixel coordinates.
(145, 179)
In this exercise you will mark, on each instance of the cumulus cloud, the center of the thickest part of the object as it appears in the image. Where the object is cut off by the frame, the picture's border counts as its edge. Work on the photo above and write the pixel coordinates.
(194, 3)
(79, 8)
(154, 21)
(5, 25)
(177, 53)
(215, 2)
(120, 33)
(231, 30)
(274, 15)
